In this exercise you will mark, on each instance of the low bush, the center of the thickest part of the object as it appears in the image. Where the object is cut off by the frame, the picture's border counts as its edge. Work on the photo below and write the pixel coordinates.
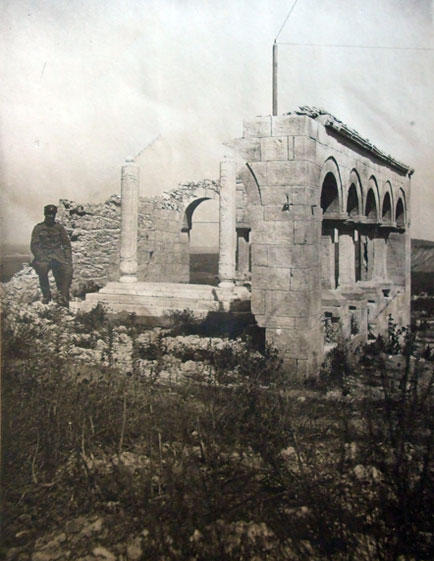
(233, 462)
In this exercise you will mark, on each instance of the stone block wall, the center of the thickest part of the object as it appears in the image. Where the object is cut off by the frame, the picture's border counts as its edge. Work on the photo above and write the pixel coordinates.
(94, 231)
(285, 235)
(312, 253)
(163, 242)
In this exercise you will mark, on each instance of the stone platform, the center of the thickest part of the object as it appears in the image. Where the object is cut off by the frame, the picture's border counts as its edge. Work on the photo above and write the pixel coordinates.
(156, 301)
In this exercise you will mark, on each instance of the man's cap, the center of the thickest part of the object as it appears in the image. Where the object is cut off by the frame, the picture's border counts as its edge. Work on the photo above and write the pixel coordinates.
(50, 209)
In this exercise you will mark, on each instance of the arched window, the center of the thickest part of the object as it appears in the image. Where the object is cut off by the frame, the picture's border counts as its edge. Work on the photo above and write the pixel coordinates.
(329, 195)
(400, 217)
(371, 206)
(387, 208)
(352, 202)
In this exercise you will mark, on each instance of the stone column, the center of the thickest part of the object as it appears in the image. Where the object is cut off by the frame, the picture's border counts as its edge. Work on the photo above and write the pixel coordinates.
(129, 220)
(227, 238)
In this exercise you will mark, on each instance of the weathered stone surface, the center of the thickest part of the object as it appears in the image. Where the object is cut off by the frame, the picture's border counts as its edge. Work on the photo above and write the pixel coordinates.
(275, 148)
(260, 126)
(227, 231)
(272, 279)
(134, 550)
(305, 148)
(283, 303)
(276, 195)
(294, 125)
(259, 170)
(259, 254)
(103, 553)
(74, 526)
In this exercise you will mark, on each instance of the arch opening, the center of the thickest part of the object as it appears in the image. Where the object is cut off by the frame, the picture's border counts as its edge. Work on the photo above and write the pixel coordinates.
(400, 215)
(371, 206)
(387, 208)
(201, 228)
(329, 195)
(352, 202)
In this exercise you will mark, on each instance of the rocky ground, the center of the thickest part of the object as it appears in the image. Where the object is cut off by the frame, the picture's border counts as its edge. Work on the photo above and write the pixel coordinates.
(124, 443)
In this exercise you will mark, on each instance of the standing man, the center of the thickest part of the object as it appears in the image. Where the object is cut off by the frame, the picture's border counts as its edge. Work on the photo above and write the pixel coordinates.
(51, 248)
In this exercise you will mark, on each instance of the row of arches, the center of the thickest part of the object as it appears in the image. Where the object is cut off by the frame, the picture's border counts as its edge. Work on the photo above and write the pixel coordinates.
(363, 229)
(361, 203)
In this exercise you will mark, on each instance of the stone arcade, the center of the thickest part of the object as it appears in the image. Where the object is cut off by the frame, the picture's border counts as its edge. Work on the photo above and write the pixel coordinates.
(314, 233)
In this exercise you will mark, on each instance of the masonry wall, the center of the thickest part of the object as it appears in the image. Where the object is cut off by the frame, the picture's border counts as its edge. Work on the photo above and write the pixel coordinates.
(304, 255)
(283, 207)
(163, 240)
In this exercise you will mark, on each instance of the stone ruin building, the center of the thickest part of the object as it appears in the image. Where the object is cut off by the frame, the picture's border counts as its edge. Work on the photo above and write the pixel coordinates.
(314, 238)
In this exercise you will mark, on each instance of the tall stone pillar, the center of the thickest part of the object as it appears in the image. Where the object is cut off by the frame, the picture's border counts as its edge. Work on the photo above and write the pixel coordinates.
(129, 220)
(227, 238)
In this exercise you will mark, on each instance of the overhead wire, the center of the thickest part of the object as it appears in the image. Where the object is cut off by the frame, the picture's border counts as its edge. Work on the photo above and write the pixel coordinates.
(286, 19)
(342, 46)
(357, 46)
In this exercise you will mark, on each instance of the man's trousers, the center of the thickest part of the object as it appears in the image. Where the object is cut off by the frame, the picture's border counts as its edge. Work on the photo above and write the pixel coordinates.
(62, 273)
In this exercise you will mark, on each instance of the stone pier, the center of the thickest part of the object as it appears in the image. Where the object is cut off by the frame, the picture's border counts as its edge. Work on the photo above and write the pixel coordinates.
(228, 237)
(129, 221)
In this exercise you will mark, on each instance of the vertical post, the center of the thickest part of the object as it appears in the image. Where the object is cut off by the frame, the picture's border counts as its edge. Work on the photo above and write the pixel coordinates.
(129, 220)
(227, 236)
(275, 78)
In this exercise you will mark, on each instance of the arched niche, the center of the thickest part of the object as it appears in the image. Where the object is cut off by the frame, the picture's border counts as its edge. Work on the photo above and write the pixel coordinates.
(353, 202)
(400, 214)
(371, 210)
(386, 210)
(387, 203)
(330, 196)
(331, 189)
(354, 195)
(372, 201)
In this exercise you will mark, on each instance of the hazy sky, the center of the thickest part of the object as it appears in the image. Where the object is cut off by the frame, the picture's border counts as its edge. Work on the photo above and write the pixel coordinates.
(86, 83)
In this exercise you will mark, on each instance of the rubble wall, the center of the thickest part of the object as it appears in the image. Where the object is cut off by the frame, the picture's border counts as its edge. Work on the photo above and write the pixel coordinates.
(163, 241)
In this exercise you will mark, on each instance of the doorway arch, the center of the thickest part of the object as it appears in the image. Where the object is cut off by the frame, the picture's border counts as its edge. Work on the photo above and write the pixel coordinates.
(201, 229)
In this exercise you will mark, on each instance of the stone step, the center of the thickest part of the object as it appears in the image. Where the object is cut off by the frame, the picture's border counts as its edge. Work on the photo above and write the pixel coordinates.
(157, 300)
(156, 315)
(155, 312)
(174, 290)
(162, 289)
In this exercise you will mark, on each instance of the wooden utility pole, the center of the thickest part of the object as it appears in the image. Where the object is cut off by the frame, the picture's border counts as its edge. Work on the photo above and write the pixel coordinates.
(275, 78)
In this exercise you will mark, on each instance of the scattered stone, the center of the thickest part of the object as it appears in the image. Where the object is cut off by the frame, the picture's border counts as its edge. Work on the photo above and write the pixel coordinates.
(74, 526)
(97, 525)
(134, 550)
(13, 553)
(189, 366)
(103, 553)
(288, 452)
(22, 534)
(61, 537)
(45, 556)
